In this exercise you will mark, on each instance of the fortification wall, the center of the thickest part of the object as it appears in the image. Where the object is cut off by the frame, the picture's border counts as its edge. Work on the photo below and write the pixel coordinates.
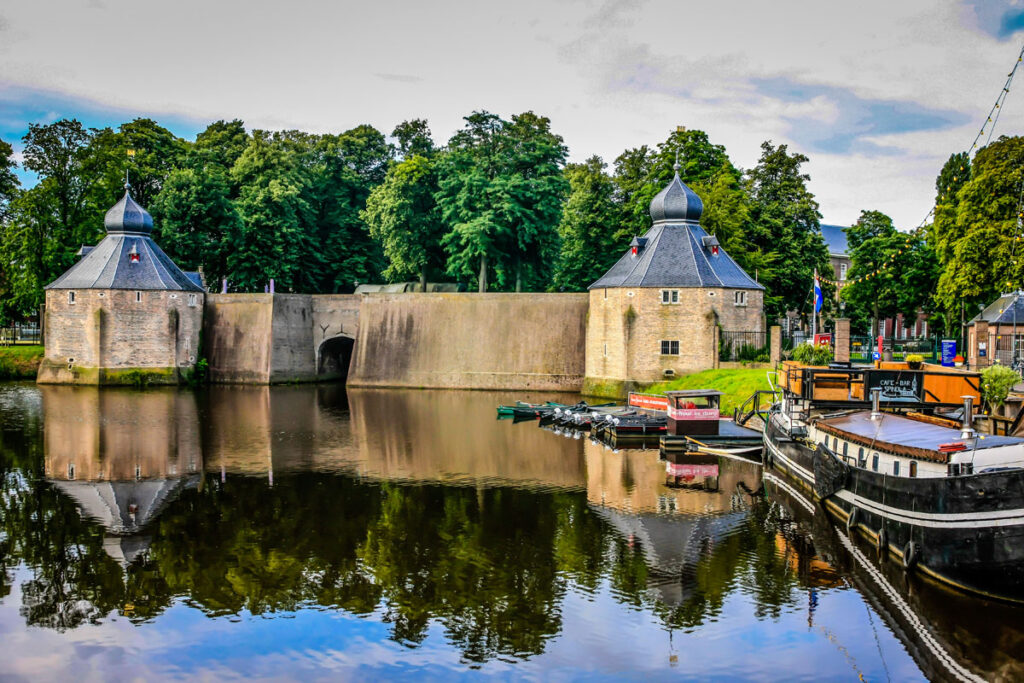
(237, 331)
(292, 349)
(471, 341)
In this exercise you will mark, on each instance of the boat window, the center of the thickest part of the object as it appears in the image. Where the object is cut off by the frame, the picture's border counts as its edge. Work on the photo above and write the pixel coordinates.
(844, 448)
(896, 467)
(874, 462)
(913, 468)
(861, 460)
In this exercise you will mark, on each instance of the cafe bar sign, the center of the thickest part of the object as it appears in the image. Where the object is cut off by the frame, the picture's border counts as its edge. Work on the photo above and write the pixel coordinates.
(896, 386)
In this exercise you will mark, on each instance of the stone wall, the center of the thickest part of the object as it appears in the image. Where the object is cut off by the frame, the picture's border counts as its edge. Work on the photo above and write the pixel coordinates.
(236, 337)
(626, 327)
(120, 336)
(471, 341)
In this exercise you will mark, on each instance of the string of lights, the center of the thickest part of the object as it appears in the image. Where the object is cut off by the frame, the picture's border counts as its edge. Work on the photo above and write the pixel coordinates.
(995, 112)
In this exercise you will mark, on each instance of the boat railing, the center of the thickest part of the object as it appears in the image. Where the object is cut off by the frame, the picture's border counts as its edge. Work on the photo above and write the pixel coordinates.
(759, 403)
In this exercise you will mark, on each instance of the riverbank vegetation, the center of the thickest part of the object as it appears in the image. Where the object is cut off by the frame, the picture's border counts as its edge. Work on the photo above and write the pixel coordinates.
(736, 384)
(20, 362)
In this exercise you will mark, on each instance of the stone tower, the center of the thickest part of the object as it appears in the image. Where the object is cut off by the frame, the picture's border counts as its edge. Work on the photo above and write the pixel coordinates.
(125, 313)
(658, 312)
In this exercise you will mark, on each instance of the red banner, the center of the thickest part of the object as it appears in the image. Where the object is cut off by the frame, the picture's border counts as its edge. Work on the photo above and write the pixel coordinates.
(649, 401)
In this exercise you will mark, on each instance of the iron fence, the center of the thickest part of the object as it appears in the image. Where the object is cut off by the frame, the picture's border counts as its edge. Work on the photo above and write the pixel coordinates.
(744, 346)
(19, 334)
(861, 348)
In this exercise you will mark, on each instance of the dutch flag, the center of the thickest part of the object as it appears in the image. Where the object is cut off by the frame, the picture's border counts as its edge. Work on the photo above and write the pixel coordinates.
(817, 294)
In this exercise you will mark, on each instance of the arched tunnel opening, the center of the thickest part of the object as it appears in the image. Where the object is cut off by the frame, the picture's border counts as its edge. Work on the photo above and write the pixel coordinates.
(333, 358)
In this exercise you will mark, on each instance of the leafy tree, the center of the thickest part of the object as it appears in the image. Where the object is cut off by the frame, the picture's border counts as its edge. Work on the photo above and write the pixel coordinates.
(195, 219)
(403, 217)
(981, 251)
(587, 229)
(414, 139)
(269, 241)
(500, 191)
(785, 223)
(9, 188)
(220, 144)
(892, 272)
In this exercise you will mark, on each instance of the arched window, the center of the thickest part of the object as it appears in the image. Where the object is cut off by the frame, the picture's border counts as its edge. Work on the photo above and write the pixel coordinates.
(913, 468)
(874, 462)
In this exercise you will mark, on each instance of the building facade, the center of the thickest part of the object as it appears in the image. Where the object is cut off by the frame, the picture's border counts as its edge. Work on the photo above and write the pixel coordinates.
(658, 312)
(124, 313)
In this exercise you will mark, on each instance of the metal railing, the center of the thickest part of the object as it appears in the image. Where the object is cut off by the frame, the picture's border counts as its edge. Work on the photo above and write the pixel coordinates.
(744, 346)
(19, 334)
(861, 348)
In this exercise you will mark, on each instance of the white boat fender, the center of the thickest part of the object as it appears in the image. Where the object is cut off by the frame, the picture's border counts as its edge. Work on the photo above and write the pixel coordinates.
(911, 554)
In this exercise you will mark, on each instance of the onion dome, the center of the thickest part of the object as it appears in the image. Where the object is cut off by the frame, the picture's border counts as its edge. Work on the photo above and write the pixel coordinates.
(128, 216)
(677, 202)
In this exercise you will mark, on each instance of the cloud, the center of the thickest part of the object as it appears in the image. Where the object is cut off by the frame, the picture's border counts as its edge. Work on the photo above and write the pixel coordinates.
(401, 78)
(858, 118)
(998, 18)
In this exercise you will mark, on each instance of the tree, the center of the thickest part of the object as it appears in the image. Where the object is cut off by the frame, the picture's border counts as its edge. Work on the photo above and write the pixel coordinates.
(269, 241)
(892, 272)
(500, 191)
(785, 224)
(587, 229)
(981, 251)
(220, 144)
(403, 217)
(414, 138)
(195, 219)
(9, 189)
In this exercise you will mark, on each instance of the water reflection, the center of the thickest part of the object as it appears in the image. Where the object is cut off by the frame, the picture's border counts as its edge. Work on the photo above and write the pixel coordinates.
(418, 512)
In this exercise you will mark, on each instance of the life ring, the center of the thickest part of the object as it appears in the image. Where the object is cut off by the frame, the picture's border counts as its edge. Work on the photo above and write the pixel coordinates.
(911, 554)
(851, 520)
(883, 544)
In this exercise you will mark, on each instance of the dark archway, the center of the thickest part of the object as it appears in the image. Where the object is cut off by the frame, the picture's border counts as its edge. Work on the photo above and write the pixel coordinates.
(333, 358)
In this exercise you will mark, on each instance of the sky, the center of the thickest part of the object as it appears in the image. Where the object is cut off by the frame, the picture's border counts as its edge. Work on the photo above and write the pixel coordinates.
(876, 94)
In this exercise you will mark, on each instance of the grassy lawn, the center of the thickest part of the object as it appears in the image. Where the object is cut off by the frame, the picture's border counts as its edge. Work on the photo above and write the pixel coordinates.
(20, 362)
(736, 385)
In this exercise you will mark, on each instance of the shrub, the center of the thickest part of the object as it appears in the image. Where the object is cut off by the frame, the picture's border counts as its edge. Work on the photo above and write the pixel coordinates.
(996, 382)
(914, 358)
(812, 355)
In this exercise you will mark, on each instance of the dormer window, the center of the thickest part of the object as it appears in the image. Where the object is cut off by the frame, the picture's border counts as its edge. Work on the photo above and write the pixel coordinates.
(710, 243)
(637, 245)
(133, 255)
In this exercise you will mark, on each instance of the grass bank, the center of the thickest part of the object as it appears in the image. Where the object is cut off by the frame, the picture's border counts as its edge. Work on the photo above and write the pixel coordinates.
(20, 362)
(736, 384)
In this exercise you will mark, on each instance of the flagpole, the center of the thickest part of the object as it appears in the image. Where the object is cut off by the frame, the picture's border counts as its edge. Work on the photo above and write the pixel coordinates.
(814, 307)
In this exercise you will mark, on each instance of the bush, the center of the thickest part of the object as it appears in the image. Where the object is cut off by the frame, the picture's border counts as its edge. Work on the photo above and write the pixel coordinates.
(914, 358)
(996, 382)
(812, 355)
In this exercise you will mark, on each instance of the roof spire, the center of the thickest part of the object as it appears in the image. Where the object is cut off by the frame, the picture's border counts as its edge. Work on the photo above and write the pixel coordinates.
(676, 165)
(127, 187)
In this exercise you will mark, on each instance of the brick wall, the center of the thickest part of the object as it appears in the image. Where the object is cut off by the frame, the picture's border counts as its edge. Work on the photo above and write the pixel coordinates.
(626, 327)
(103, 332)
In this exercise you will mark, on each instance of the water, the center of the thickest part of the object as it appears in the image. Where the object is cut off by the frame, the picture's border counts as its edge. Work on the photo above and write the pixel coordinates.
(302, 532)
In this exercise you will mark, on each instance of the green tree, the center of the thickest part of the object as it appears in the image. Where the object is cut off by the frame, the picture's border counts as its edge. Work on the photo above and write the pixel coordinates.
(587, 229)
(891, 272)
(220, 144)
(9, 189)
(144, 148)
(269, 241)
(403, 217)
(414, 138)
(784, 223)
(500, 191)
(195, 219)
(981, 251)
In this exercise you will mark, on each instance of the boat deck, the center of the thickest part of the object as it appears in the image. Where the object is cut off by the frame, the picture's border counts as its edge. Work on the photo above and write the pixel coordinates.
(912, 436)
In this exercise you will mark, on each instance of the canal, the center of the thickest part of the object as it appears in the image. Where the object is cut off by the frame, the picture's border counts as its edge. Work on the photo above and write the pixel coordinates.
(309, 532)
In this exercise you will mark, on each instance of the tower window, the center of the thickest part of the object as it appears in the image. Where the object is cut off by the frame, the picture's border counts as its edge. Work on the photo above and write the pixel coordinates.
(192, 300)
(670, 296)
(669, 347)
(842, 271)
(740, 298)
(71, 297)
(138, 297)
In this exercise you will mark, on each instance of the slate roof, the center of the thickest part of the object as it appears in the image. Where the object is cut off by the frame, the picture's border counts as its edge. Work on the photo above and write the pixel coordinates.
(677, 252)
(109, 265)
(835, 238)
(1003, 310)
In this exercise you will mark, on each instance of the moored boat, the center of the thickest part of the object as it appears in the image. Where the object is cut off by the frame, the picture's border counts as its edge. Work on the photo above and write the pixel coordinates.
(946, 500)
